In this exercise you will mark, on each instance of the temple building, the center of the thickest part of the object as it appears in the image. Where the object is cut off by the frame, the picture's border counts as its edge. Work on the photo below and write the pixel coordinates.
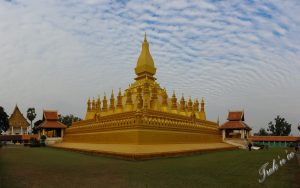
(235, 127)
(17, 123)
(144, 119)
(51, 127)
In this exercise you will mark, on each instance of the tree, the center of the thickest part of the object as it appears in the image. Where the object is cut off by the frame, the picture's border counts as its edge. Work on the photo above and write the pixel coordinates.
(68, 119)
(4, 124)
(262, 132)
(31, 115)
(280, 128)
(35, 126)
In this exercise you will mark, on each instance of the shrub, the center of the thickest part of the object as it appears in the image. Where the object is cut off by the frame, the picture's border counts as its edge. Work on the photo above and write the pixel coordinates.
(34, 142)
(43, 138)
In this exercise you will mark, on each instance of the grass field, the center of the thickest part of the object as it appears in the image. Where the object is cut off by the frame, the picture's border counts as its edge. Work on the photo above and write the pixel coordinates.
(47, 167)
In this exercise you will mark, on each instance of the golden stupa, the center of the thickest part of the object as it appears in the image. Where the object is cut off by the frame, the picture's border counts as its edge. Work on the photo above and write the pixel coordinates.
(143, 121)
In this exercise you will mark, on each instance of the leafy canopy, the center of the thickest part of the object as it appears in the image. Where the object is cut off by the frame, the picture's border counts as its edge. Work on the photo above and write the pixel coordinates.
(68, 119)
(262, 132)
(280, 127)
(3, 120)
(31, 114)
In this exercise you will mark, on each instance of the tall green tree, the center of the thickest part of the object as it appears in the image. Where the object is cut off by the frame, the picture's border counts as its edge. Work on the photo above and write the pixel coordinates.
(3, 120)
(36, 125)
(68, 119)
(31, 115)
(280, 127)
(262, 132)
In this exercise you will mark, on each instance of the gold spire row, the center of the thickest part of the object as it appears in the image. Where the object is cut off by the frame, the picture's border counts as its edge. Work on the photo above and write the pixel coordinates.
(144, 93)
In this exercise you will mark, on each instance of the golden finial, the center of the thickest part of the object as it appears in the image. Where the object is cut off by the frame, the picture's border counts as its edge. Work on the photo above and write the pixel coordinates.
(145, 37)
(145, 64)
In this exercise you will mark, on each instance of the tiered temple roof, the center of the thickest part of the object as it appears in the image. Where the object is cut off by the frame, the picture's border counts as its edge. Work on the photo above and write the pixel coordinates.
(50, 119)
(17, 119)
(235, 121)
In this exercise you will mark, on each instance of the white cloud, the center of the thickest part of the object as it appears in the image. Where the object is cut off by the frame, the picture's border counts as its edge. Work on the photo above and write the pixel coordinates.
(236, 54)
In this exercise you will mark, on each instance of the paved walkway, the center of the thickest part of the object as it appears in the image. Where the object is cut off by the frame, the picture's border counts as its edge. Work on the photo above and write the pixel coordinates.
(144, 151)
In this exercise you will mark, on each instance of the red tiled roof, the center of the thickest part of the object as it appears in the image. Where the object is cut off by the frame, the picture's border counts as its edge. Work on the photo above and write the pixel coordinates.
(275, 138)
(52, 124)
(235, 125)
(50, 115)
(236, 116)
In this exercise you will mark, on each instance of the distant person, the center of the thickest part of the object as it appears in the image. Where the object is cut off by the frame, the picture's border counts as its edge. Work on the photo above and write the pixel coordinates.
(267, 147)
(296, 147)
(249, 146)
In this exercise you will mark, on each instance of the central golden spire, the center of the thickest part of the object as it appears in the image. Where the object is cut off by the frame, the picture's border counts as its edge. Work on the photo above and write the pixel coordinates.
(145, 64)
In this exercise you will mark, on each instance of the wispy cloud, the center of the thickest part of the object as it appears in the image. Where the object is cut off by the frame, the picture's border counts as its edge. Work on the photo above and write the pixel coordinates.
(236, 54)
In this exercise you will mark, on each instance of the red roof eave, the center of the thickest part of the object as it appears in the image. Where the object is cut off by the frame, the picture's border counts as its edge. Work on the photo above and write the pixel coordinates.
(52, 124)
(275, 138)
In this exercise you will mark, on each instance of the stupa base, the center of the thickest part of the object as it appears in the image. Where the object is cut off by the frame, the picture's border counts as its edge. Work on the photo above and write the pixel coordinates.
(142, 152)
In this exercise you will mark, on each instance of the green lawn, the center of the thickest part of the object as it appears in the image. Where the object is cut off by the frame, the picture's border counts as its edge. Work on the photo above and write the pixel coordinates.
(47, 167)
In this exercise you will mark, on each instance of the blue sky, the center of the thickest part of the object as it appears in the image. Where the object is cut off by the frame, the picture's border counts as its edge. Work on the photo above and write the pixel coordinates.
(236, 54)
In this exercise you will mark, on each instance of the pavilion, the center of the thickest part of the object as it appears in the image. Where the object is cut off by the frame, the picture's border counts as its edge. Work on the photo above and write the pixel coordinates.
(235, 127)
(51, 127)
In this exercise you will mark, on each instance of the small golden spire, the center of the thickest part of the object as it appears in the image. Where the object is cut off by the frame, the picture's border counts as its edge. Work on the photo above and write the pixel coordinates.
(139, 98)
(128, 99)
(174, 101)
(89, 104)
(93, 104)
(112, 101)
(145, 37)
(164, 98)
(129, 104)
(196, 105)
(202, 105)
(119, 101)
(190, 105)
(182, 103)
(202, 111)
(112, 93)
(98, 104)
(104, 105)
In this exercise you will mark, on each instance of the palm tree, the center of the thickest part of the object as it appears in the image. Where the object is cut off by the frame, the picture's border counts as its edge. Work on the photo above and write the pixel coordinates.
(31, 115)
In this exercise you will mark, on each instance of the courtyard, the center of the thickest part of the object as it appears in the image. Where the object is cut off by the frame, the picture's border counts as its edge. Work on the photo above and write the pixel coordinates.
(49, 167)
